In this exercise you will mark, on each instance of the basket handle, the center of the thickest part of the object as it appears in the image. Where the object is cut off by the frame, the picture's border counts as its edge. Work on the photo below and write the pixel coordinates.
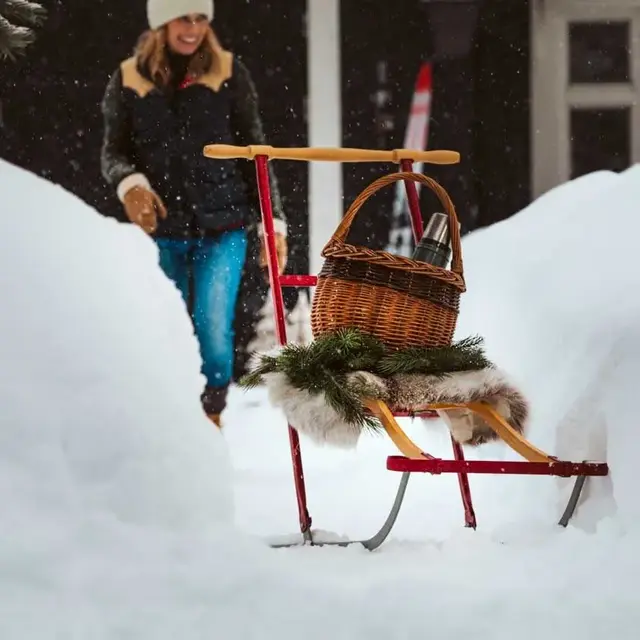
(341, 232)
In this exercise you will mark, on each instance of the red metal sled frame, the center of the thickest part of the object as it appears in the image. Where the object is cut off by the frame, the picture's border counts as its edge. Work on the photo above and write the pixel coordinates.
(428, 464)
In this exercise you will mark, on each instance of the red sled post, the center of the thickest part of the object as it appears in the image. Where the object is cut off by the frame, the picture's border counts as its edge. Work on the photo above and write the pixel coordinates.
(417, 225)
(275, 280)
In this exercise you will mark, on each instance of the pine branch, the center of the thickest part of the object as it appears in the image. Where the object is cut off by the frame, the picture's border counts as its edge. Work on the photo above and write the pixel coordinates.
(17, 19)
(462, 356)
(321, 367)
(14, 40)
(25, 13)
(268, 364)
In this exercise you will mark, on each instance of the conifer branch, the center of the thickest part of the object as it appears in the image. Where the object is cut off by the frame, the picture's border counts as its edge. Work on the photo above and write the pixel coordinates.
(322, 367)
(17, 21)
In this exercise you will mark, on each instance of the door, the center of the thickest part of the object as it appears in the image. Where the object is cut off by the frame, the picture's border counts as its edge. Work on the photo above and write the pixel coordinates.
(585, 90)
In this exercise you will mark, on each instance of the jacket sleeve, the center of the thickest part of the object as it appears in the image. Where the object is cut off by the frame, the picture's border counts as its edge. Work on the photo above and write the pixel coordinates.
(247, 129)
(116, 157)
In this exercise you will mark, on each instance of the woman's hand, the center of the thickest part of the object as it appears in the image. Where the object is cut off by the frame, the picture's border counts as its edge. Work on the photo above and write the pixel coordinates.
(143, 207)
(281, 252)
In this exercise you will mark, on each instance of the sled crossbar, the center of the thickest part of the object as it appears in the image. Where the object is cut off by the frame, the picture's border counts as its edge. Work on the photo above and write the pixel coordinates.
(437, 466)
(330, 154)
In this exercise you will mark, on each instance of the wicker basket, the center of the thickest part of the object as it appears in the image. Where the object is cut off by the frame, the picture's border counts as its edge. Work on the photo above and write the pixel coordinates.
(403, 302)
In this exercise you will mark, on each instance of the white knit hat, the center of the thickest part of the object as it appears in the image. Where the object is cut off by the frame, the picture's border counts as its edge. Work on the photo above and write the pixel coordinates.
(159, 12)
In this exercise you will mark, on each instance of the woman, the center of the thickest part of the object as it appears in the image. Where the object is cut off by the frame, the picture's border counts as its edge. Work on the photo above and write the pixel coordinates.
(180, 91)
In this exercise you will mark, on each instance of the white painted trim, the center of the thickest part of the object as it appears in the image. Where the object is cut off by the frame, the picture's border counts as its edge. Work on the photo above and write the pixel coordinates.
(635, 79)
(325, 123)
(546, 86)
(614, 95)
(586, 9)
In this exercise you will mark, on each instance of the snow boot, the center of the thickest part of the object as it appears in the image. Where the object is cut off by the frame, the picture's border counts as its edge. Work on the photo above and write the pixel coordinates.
(214, 401)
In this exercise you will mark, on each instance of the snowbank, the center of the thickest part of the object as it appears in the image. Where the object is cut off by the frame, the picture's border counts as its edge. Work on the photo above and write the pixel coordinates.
(553, 291)
(113, 483)
(100, 377)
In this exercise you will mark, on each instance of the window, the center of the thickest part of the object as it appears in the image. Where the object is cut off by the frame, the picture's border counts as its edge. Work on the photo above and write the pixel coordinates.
(600, 140)
(599, 52)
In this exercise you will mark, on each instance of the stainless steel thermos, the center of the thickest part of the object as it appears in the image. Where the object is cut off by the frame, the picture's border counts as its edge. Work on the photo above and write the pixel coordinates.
(434, 245)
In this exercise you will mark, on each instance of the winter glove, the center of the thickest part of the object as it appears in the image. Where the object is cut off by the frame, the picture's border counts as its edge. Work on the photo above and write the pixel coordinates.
(143, 207)
(281, 252)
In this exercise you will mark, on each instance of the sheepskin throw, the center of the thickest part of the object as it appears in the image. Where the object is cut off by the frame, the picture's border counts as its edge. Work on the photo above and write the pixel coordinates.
(321, 386)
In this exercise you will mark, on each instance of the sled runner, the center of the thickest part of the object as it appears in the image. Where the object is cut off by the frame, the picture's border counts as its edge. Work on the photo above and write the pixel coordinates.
(477, 403)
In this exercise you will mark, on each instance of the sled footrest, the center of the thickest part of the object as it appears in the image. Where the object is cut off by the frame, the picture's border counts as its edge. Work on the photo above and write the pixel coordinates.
(437, 466)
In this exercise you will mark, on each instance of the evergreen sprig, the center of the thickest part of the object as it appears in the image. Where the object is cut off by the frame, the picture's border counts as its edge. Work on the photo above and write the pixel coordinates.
(17, 19)
(323, 365)
(465, 355)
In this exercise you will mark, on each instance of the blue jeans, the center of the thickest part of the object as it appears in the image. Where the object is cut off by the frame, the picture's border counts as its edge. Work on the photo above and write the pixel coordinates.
(208, 272)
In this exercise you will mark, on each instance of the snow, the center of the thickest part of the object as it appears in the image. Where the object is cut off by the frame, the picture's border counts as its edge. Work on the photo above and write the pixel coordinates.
(125, 514)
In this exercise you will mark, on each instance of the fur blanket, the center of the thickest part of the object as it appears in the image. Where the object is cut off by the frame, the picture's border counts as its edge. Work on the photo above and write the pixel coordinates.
(312, 416)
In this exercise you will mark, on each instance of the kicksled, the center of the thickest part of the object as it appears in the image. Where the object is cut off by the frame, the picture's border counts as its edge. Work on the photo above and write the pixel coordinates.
(383, 328)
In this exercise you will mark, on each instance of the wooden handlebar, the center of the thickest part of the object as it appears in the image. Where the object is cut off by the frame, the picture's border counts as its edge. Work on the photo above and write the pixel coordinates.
(330, 154)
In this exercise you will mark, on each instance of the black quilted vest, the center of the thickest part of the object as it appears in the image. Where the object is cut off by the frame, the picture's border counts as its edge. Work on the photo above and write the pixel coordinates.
(169, 131)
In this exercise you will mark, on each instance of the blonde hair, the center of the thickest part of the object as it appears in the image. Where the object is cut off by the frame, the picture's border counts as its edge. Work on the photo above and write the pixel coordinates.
(151, 52)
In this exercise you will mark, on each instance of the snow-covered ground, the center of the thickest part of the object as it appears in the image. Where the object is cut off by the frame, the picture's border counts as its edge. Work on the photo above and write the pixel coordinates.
(124, 514)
